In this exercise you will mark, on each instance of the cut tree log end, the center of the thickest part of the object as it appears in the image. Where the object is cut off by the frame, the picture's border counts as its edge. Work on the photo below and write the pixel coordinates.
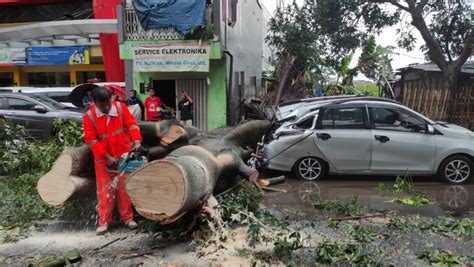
(173, 133)
(61, 183)
(146, 189)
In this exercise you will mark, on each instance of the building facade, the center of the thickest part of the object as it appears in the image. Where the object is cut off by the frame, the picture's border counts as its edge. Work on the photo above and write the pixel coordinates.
(57, 58)
(217, 65)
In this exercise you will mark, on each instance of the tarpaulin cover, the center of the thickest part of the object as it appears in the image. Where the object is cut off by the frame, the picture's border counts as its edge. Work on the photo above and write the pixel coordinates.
(182, 15)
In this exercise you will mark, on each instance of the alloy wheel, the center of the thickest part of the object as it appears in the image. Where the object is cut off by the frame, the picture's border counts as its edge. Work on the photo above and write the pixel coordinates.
(310, 169)
(457, 171)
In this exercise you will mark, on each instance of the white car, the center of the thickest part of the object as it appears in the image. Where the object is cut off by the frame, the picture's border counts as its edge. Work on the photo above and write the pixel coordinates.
(365, 136)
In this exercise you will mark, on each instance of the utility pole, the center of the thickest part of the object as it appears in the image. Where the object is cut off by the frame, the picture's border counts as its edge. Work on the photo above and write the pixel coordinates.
(280, 4)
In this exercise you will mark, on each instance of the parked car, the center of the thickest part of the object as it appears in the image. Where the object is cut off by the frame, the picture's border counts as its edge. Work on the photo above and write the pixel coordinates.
(60, 94)
(364, 135)
(35, 112)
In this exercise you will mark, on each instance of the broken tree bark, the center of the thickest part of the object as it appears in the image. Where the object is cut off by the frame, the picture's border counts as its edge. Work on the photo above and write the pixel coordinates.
(166, 189)
(71, 175)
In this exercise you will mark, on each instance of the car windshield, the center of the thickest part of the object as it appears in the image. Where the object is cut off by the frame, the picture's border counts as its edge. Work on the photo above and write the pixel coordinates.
(50, 103)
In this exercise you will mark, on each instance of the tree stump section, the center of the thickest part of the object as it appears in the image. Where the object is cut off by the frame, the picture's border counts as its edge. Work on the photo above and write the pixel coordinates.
(71, 175)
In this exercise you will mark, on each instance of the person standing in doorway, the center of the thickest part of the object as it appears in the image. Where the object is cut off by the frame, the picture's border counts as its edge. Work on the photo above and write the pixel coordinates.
(185, 106)
(153, 107)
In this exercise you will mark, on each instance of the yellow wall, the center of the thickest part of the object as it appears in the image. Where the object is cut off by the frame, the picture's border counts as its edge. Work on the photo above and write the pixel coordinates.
(18, 71)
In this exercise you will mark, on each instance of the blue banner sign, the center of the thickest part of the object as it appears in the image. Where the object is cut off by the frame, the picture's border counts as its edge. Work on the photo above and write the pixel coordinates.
(67, 55)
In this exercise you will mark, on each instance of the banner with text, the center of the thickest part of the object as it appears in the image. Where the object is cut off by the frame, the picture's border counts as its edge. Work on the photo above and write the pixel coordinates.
(171, 58)
(12, 56)
(67, 55)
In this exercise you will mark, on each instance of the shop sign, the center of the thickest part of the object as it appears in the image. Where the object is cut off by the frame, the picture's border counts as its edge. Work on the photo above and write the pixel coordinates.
(12, 56)
(171, 58)
(67, 55)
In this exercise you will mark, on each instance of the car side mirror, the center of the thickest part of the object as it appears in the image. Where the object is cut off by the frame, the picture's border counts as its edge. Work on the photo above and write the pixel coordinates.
(430, 129)
(40, 109)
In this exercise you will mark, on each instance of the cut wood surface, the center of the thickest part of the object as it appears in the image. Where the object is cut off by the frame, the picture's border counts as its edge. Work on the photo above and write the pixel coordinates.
(272, 181)
(71, 175)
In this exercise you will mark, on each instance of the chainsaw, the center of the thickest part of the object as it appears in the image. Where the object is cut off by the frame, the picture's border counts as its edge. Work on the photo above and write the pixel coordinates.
(131, 161)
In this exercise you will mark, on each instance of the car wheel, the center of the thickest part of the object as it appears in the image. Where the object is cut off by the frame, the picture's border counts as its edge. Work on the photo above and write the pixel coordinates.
(456, 170)
(310, 169)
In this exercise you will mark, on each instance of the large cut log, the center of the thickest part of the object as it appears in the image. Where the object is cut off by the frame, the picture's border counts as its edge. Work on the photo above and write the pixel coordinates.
(71, 175)
(166, 189)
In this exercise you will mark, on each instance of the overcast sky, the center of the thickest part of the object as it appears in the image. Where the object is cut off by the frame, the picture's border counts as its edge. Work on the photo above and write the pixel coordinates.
(401, 58)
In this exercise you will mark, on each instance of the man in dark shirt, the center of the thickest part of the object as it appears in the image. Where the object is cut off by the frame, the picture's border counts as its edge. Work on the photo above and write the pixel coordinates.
(134, 100)
(185, 107)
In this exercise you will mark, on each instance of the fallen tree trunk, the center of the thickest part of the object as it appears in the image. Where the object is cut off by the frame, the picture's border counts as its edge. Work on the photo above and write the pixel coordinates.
(166, 189)
(72, 175)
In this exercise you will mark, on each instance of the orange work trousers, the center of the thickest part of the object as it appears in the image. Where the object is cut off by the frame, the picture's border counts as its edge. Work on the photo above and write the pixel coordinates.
(110, 185)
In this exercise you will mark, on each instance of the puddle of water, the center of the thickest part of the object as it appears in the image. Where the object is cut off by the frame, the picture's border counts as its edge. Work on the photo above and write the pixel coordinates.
(296, 202)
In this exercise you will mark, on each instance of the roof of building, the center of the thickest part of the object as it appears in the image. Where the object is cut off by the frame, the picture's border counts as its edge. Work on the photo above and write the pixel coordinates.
(467, 68)
(57, 33)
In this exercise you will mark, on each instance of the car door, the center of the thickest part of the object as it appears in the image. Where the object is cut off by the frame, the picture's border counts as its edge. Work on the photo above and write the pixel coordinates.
(21, 111)
(343, 136)
(400, 141)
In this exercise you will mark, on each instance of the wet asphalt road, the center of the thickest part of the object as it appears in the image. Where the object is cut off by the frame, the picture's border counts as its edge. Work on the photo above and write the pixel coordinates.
(445, 198)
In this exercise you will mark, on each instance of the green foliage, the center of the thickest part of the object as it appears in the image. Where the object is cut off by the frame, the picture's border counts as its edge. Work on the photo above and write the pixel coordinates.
(361, 255)
(415, 201)
(403, 184)
(284, 246)
(294, 36)
(350, 206)
(447, 226)
(368, 89)
(245, 199)
(382, 186)
(24, 160)
(332, 224)
(442, 258)
(69, 131)
(361, 234)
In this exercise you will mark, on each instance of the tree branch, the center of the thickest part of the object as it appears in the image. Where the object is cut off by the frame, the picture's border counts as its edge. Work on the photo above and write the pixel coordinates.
(435, 51)
(466, 52)
(393, 2)
(421, 5)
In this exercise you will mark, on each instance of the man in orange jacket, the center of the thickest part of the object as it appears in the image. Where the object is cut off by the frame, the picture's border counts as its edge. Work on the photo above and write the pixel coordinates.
(109, 130)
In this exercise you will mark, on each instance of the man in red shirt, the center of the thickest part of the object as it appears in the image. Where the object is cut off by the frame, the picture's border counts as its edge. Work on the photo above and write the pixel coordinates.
(109, 130)
(153, 107)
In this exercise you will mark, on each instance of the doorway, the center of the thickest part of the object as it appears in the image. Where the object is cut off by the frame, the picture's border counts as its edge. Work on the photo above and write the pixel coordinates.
(166, 91)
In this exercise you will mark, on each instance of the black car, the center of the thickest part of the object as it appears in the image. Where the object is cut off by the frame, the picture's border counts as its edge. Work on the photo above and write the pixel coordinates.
(35, 112)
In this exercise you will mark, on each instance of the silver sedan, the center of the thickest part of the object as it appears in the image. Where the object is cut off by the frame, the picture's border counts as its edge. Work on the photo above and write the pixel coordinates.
(365, 136)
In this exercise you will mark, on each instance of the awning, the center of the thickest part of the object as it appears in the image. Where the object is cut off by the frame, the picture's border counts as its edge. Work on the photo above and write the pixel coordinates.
(57, 33)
